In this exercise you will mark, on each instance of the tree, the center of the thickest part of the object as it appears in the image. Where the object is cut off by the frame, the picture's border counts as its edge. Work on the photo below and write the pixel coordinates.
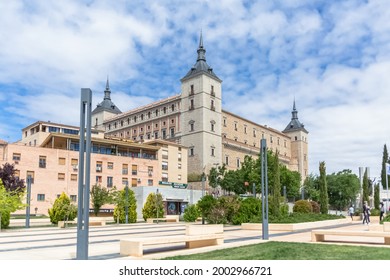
(290, 179)
(11, 182)
(366, 194)
(343, 188)
(99, 197)
(275, 188)
(312, 187)
(122, 200)
(153, 204)
(323, 197)
(385, 159)
(10, 201)
(376, 196)
(62, 210)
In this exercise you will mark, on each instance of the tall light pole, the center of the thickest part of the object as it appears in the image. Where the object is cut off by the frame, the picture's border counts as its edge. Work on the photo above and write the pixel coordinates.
(28, 201)
(157, 192)
(203, 183)
(264, 187)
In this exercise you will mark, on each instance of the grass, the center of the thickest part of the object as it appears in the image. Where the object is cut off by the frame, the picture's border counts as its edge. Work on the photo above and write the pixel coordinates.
(274, 250)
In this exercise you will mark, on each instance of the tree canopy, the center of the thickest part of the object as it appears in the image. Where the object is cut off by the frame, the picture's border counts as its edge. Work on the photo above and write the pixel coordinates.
(11, 182)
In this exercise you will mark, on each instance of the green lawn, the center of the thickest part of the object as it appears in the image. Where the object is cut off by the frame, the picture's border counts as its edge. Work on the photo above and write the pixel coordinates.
(274, 250)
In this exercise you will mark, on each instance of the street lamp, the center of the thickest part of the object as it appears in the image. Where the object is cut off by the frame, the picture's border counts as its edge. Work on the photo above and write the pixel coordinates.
(157, 192)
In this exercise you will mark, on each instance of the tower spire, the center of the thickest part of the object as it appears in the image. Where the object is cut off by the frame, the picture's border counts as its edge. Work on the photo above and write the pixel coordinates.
(107, 92)
(201, 50)
(294, 112)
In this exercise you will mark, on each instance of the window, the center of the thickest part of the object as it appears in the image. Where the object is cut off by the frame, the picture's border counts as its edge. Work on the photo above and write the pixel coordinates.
(238, 163)
(212, 91)
(109, 181)
(296, 138)
(40, 197)
(134, 169)
(156, 135)
(61, 176)
(125, 182)
(110, 165)
(16, 156)
(148, 136)
(212, 106)
(73, 197)
(192, 90)
(173, 107)
(179, 177)
(172, 132)
(164, 154)
(149, 114)
(150, 182)
(164, 165)
(142, 117)
(133, 182)
(31, 175)
(235, 126)
(254, 132)
(165, 110)
(179, 156)
(150, 170)
(212, 124)
(224, 122)
(191, 151)
(164, 133)
(17, 173)
(192, 104)
(61, 161)
(179, 166)
(191, 126)
(245, 129)
(73, 177)
(42, 161)
(75, 163)
(156, 113)
(226, 160)
(98, 179)
(212, 151)
(99, 166)
(125, 169)
(164, 177)
(135, 119)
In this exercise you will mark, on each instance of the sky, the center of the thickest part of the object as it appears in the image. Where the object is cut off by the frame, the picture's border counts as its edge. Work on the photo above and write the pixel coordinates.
(332, 57)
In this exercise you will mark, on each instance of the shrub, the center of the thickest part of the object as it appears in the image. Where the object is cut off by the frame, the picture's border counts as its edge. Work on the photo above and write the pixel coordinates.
(302, 206)
(283, 210)
(62, 210)
(150, 207)
(315, 207)
(386, 219)
(5, 217)
(249, 211)
(205, 204)
(231, 204)
(120, 208)
(191, 213)
(217, 215)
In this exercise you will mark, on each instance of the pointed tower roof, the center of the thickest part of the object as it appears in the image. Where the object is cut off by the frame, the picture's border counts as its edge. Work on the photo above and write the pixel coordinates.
(294, 124)
(201, 66)
(107, 104)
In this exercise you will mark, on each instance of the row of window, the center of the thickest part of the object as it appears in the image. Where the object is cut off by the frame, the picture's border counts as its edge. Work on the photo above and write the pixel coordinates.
(192, 125)
(143, 117)
(192, 105)
(148, 136)
(42, 197)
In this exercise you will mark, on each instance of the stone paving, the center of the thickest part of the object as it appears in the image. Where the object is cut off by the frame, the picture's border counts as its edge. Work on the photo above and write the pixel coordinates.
(51, 243)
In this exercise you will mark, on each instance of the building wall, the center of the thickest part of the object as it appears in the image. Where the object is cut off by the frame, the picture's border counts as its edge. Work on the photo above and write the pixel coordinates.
(61, 175)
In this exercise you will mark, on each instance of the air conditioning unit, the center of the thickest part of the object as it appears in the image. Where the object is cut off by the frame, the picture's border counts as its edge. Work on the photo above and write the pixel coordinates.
(139, 180)
(150, 173)
(98, 168)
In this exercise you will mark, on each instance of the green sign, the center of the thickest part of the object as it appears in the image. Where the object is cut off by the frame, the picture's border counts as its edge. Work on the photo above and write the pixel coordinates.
(179, 186)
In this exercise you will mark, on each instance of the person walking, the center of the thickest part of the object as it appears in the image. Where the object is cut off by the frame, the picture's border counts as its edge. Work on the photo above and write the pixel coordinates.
(351, 211)
(382, 209)
(366, 218)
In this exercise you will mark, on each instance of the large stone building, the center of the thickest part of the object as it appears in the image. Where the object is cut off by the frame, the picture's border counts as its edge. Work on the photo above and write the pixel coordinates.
(195, 119)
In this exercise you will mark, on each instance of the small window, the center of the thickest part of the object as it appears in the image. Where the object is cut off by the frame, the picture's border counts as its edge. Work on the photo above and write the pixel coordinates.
(179, 166)
(134, 169)
(150, 182)
(110, 165)
(31, 175)
(212, 151)
(125, 169)
(125, 182)
(179, 177)
(61, 176)
(110, 182)
(133, 182)
(238, 163)
(16, 156)
(61, 161)
(98, 179)
(41, 197)
(42, 162)
(73, 177)
(73, 198)
(226, 160)
(191, 151)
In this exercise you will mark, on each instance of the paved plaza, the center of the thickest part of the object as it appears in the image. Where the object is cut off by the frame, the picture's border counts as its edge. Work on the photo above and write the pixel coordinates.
(51, 243)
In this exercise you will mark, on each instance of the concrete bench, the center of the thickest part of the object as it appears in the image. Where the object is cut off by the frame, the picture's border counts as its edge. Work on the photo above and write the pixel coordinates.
(319, 235)
(93, 222)
(168, 218)
(194, 237)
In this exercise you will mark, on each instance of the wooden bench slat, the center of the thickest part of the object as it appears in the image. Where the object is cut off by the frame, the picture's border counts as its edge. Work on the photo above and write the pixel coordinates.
(319, 235)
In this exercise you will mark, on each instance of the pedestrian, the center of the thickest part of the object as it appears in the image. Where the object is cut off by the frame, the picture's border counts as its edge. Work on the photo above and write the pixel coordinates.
(351, 211)
(382, 209)
(366, 217)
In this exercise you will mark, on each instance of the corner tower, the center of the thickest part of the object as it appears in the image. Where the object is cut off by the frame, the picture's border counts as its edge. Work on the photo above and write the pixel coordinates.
(299, 144)
(104, 110)
(201, 120)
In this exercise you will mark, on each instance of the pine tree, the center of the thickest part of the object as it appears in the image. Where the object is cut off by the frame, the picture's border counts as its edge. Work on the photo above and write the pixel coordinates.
(324, 200)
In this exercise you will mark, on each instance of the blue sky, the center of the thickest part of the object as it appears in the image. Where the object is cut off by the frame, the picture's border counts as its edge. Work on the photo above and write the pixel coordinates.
(333, 57)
